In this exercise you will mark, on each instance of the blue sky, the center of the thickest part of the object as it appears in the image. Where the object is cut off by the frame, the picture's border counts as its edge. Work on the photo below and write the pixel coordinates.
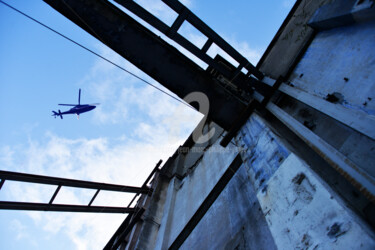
(121, 140)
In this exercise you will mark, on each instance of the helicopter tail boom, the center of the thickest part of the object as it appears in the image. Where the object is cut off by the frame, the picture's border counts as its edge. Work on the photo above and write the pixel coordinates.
(57, 114)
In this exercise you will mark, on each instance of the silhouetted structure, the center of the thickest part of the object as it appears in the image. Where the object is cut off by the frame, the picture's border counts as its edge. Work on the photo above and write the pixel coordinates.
(292, 161)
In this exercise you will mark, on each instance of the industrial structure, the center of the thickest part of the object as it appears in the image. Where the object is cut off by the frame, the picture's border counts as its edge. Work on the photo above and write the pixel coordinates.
(285, 156)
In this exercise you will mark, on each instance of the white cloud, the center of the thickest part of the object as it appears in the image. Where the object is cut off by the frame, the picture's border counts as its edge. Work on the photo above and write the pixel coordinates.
(162, 125)
(120, 93)
(6, 155)
(18, 227)
(127, 163)
(123, 161)
(21, 232)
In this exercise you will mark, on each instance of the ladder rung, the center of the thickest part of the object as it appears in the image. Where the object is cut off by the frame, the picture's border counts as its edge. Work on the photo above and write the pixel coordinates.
(2, 183)
(55, 194)
(179, 21)
(207, 45)
(93, 198)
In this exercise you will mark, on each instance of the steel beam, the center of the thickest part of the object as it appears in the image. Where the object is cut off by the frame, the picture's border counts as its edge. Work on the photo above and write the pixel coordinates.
(12, 205)
(212, 37)
(156, 168)
(211, 34)
(41, 179)
(171, 32)
(150, 53)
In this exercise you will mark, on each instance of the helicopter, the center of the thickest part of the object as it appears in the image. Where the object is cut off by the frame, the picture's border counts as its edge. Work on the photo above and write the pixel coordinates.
(77, 108)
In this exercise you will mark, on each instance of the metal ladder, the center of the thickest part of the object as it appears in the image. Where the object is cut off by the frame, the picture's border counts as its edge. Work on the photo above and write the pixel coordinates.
(184, 14)
(63, 182)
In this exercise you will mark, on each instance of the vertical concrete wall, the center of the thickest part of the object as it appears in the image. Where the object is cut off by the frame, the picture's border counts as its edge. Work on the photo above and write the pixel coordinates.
(187, 195)
(262, 151)
(341, 60)
(300, 209)
(234, 221)
(276, 200)
(339, 67)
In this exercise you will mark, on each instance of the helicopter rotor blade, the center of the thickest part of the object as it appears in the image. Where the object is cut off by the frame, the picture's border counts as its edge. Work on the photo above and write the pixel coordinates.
(79, 97)
(68, 104)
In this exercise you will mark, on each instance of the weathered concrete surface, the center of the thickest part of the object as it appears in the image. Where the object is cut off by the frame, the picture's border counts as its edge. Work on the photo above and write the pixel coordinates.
(235, 220)
(341, 61)
(303, 213)
(341, 13)
(153, 216)
(339, 67)
(189, 193)
(285, 199)
(262, 151)
(275, 200)
(295, 35)
(357, 147)
(188, 155)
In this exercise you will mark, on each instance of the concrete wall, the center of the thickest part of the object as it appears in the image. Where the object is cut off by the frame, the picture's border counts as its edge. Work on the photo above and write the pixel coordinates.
(187, 194)
(300, 209)
(339, 66)
(274, 201)
(292, 37)
(302, 213)
(341, 60)
(234, 221)
(284, 195)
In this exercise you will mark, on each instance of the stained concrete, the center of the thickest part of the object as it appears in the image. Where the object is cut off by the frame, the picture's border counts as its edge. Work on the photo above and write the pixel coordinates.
(234, 221)
(357, 147)
(291, 39)
(341, 60)
(263, 151)
(277, 200)
(303, 213)
(193, 189)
